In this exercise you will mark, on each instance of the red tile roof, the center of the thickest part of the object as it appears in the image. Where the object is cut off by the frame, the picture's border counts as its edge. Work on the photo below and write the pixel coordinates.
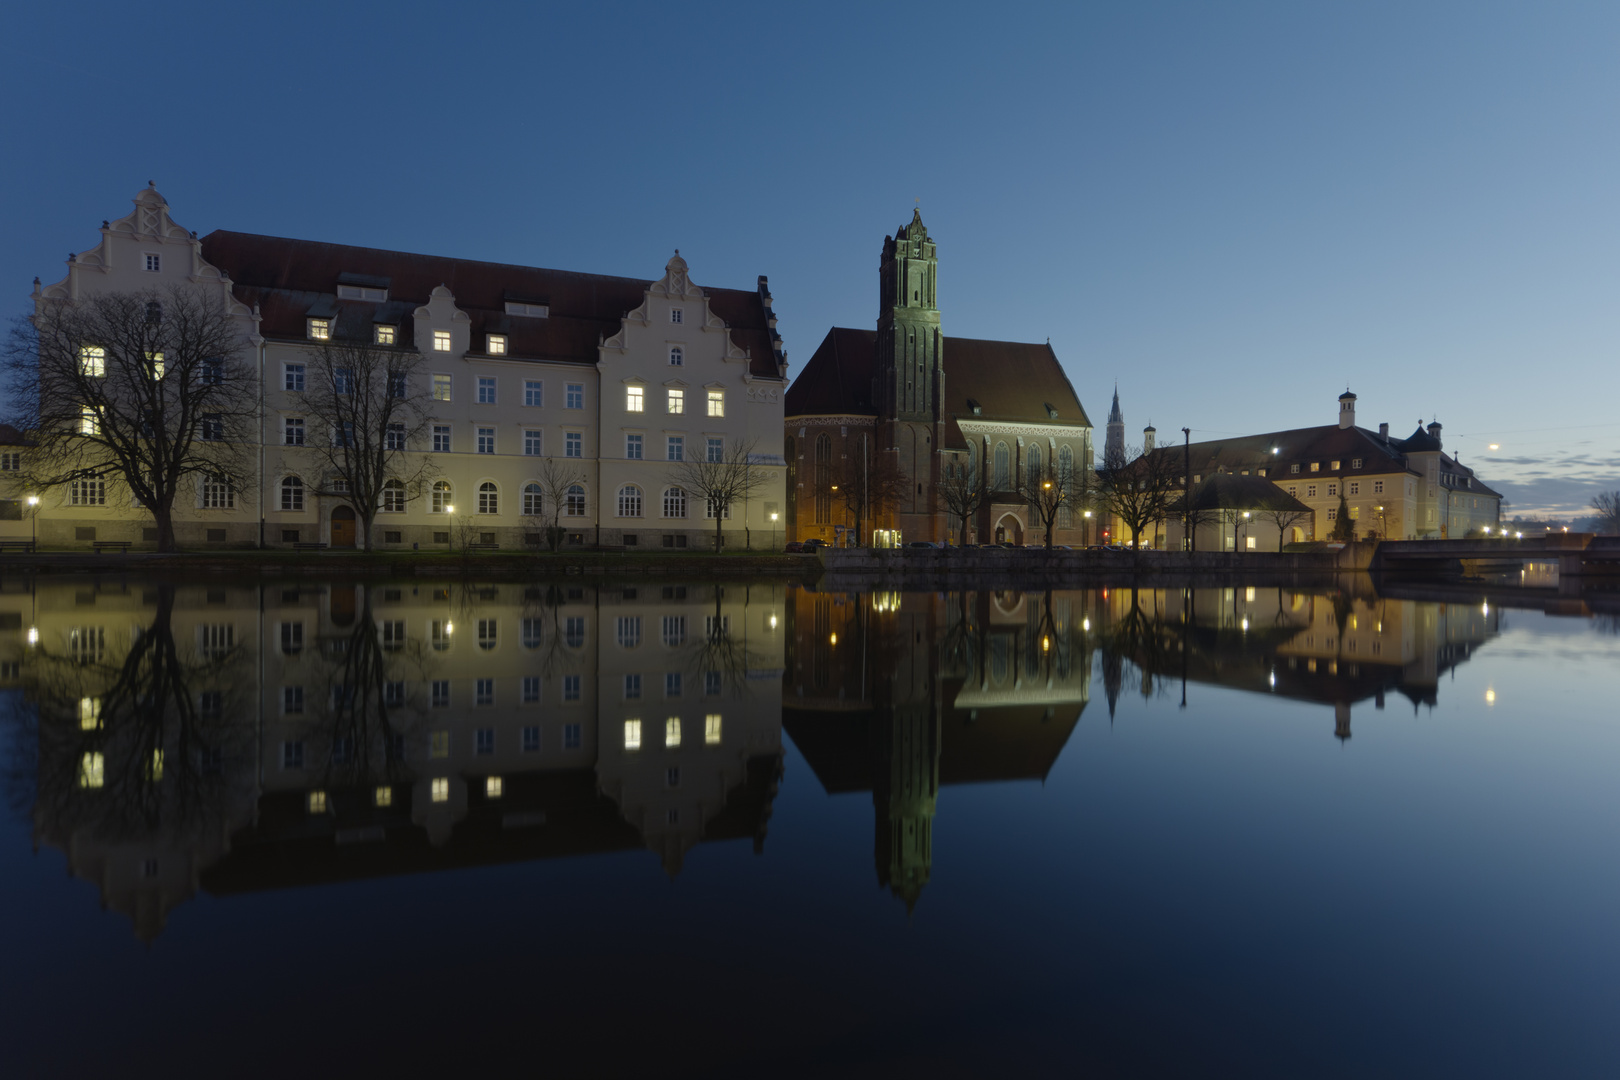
(287, 278)
(1008, 380)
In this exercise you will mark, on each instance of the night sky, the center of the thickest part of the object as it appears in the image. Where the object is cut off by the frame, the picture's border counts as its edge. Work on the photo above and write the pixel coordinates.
(1234, 210)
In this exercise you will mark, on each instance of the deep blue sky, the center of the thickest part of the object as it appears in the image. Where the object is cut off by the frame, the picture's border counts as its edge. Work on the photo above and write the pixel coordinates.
(1235, 210)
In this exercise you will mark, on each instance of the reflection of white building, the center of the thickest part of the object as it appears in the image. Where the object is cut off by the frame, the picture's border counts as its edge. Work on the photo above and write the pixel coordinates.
(617, 379)
(354, 730)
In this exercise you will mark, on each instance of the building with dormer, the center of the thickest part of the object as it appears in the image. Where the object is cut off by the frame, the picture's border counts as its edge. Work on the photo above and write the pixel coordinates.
(619, 378)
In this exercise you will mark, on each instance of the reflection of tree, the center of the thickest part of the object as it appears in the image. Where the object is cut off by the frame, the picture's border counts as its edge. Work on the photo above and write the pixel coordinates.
(545, 636)
(360, 718)
(139, 744)
(717, 654)
(1142, 638)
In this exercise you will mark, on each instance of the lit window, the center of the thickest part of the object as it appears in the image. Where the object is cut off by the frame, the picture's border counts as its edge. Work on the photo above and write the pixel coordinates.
(534, 392)
(441, 789)
(492, 787)
(676, 356)
(441, 341)
(630, 497)
(531, 443)
(711, 729)
(386, 335)
(632, 447)
(675, 448)
(677, 402)
(497, 345)
(575, 396)
(154, 263)
(486, 440)
(439, 744)
(672, 732)
(717, 403)
(1334, 466)
(633, 400)
(384, 796)
(317, 802)
(92, 770)
(1316, 466)
(89, 421)
(320, 330)
(93, 361)
(89, 714)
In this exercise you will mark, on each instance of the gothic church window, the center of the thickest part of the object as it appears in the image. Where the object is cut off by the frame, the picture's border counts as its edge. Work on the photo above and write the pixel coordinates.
(1003, 467)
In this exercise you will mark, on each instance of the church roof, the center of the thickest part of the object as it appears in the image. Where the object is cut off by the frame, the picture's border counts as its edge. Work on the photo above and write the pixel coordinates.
(989, 380)
(289, 278)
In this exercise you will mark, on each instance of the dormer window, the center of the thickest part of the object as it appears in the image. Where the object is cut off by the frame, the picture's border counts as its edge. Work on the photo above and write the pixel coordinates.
(1051, 413)
(361, 292)
(1335, 466)
(441, 341)
(1355, 463)
(975, 406)
(675, 315)
(496, 345)
(320, 329)
(1293, 468)
(1316, 466)
(386, 334)
(529, 311)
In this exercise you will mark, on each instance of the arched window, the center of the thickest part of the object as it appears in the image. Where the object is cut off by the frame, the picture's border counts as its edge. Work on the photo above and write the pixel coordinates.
(1032, 468)
(533, 503)
(292, 493)
(629, 501)
(576, 501)
(823, 479)
(443, 498)
(489, 499)
(674, 502)
(676, 356)
(393, 497)
(1003, 467)
(1066, 465)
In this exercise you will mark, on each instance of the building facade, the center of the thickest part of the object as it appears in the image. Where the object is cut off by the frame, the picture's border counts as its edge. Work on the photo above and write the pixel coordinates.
(619, 380)
(903, 412)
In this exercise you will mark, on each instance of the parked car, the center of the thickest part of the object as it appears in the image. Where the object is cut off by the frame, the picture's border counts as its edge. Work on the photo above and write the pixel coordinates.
(927, 545)
(815, 542)
(793, 547)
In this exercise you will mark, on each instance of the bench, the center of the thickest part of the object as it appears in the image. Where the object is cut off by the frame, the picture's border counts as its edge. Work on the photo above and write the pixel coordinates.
(120, 546)
(17, 545)
(310, 545)
(483, 547)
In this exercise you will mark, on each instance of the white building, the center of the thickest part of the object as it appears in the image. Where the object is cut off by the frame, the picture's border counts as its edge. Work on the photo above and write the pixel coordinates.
(617, 377)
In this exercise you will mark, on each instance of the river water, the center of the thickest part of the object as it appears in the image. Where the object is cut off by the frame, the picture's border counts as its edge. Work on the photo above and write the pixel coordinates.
(686, 828)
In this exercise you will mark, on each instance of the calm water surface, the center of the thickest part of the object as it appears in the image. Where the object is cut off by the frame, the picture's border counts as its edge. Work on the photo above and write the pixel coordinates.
(320, 827)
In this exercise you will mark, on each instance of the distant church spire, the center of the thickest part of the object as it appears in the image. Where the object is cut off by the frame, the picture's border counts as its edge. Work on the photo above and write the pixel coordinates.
(1114, 447)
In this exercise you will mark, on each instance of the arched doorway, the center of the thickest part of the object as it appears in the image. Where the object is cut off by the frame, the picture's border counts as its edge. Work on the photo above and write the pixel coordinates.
(1009, 530)
(343, 531)
(1298, 535)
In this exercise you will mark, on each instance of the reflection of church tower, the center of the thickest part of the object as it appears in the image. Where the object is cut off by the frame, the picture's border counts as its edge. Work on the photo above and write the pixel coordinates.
(1114, 448)
(905, 790)
(1113, 670)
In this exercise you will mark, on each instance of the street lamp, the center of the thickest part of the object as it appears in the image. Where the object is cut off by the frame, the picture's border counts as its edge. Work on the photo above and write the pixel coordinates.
(773, 529)
(1245, 522)
(33, 521)
(450, 537)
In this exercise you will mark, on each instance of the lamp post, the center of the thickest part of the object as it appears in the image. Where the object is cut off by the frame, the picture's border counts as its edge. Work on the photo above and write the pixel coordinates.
(33, 522)
(450, 537)
(1085, 529)
(1245, 522)
(773, 529)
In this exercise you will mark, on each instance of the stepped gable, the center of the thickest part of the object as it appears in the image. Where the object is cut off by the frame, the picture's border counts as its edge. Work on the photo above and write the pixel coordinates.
(292, 280)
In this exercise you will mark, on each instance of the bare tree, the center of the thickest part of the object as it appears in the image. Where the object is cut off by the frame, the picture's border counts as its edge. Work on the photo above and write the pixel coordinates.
(1139, 491)
(147, 388)
(721, 480)
(1285, 518)
(1607, 505)
(867, 488)
(556, 477)
(367, 408)
(962, 493)
(1050, 490)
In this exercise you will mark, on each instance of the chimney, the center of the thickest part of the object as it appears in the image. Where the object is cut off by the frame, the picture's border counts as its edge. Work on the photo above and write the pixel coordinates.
(1383, 432)
(1347, 409)
(1434, 430)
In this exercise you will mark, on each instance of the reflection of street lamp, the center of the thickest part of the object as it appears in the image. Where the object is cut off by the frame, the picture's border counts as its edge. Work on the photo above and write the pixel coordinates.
(33, 520)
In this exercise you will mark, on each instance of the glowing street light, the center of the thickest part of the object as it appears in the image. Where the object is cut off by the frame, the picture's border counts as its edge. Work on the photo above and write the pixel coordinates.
(33, 518)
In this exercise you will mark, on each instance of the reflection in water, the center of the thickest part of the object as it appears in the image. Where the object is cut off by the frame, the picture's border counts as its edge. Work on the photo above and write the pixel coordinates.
(242, 738)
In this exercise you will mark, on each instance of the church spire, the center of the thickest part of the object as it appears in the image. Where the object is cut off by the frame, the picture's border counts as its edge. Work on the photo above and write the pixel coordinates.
(1114, 447)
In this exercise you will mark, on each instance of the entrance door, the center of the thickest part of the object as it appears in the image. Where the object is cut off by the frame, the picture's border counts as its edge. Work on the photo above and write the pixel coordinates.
(343, 527)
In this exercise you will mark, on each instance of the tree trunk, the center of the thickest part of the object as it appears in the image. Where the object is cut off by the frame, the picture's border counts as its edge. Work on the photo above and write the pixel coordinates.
(719, 526)
(163, 516)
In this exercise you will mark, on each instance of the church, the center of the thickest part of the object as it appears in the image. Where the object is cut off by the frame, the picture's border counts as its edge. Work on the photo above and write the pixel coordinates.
(881, 425)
